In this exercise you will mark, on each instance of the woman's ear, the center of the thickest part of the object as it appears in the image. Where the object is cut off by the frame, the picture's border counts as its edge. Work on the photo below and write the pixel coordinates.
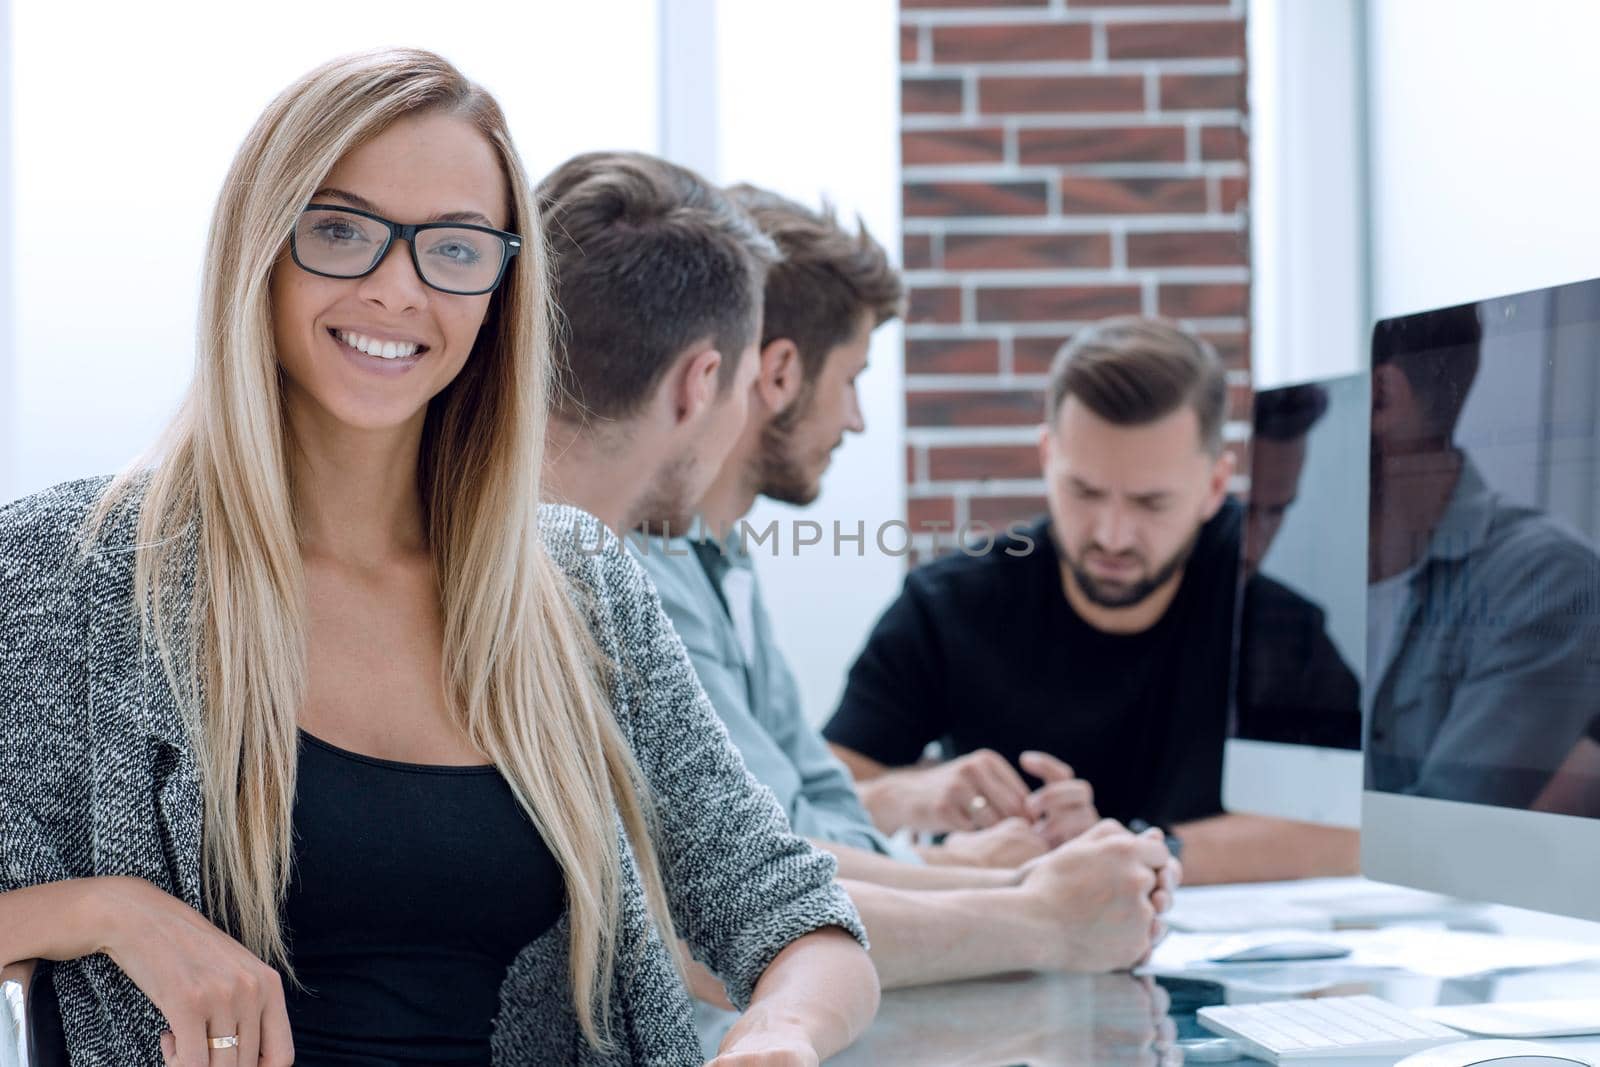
(781, 378)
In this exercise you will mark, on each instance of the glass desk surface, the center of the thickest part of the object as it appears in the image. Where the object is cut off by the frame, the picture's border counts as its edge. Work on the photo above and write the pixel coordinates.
(1066, 1020)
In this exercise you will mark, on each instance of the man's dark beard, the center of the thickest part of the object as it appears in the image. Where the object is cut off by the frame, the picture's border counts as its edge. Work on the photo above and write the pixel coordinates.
(780, 474)
(1102, 597)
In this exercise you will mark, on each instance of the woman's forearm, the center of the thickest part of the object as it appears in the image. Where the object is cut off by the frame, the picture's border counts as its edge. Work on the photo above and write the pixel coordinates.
(821, 989)
(53, 921)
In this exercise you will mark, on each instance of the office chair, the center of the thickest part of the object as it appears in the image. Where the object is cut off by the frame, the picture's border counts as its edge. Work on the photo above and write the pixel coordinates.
(30, 1018)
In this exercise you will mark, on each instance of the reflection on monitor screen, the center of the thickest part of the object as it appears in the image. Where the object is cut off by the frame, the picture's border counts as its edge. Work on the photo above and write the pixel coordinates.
(1302, 635)
(1483, 646)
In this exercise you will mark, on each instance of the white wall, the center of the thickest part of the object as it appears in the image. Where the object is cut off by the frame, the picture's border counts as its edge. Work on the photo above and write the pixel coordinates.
(1484, 153)
(116, 168)
(123, 134)
(1307, 205)
(809, 106)
(8, 408)
(1408, 154)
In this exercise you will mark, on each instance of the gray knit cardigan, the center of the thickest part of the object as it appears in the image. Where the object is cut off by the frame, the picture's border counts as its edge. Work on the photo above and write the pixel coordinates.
(97, 777)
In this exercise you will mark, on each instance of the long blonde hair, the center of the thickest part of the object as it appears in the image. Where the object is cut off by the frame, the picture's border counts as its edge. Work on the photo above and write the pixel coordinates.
(522, 673)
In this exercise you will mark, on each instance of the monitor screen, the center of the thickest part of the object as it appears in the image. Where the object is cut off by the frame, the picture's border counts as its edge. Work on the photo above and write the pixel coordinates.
(1483, 585)
(1302, 621)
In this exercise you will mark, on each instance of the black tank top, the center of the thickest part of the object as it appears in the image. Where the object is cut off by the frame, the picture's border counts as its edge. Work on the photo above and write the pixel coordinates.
(414, 888)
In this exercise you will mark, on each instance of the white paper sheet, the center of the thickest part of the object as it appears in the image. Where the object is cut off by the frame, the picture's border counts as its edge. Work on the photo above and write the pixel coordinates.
(1433, 953)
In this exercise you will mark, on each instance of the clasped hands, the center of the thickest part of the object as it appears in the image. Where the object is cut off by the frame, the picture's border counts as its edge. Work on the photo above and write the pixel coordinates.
(981, 790)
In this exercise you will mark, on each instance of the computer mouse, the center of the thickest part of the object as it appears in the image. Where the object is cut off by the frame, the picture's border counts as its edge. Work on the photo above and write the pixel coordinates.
(1211, 1050)
(1278, 952)
(1494, 1054)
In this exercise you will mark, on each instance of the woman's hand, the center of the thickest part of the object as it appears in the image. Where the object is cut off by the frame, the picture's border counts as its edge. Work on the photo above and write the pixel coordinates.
(767, 1048)
(814, 998)
(204, 982)
(704, 985)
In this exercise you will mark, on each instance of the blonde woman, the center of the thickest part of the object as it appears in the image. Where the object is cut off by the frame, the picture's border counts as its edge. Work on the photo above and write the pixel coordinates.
(321, 694)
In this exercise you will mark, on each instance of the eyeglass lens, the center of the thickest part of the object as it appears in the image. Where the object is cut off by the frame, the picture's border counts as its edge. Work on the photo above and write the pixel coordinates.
(347, 245)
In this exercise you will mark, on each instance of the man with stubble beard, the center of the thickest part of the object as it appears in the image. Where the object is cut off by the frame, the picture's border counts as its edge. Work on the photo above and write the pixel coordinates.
(1081, 667)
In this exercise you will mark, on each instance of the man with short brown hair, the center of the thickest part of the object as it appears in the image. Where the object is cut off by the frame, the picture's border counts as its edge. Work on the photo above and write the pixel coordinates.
(831, 288)
(1090, 905)
(658, 279)
(1081, 667)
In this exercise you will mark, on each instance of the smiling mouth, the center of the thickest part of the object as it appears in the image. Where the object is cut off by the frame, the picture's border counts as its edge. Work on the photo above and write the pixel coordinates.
(372, 346)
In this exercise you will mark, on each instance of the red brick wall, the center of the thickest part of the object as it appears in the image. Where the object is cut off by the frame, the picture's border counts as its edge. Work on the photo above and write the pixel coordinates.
(1063, 160)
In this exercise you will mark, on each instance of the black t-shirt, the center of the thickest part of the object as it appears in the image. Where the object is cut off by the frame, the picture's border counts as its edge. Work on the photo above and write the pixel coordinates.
(986, 652)
(1294, 687)
(414, 889)
(1594, 730)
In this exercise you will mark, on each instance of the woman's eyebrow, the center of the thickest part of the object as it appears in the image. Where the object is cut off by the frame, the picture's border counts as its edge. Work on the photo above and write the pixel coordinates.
(475, 217)
(363, 204)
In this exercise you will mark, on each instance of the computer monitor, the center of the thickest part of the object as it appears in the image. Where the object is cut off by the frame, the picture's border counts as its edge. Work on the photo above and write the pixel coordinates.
(1295, 728)
(1483, 637)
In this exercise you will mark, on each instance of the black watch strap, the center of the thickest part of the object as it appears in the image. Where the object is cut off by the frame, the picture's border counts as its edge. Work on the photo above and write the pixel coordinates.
(1174, 842)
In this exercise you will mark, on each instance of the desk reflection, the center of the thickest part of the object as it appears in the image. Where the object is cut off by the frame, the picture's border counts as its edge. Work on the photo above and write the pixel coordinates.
(1043, 1020)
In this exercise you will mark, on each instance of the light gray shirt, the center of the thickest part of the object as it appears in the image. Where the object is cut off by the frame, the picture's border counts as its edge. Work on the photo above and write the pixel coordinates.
(1493, 669)
(724, 624)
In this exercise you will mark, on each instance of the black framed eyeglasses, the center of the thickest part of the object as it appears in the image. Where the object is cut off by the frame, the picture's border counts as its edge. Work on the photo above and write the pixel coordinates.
(452, 257)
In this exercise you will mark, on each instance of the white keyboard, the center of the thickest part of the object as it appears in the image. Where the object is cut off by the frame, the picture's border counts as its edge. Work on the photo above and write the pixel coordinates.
(1290, 1031)
(1229, 914)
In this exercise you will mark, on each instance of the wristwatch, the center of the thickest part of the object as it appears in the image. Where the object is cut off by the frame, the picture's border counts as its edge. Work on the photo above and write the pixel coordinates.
(1174, 842)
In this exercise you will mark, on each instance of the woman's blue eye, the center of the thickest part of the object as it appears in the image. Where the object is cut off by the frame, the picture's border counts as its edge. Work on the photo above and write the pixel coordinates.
(458, 252)
(337, 231)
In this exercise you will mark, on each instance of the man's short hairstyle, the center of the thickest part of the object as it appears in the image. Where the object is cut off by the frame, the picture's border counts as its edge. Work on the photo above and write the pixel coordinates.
(827, 276)
(1288, 414)
(1132, 371)
(1440, 360)
(647, 259)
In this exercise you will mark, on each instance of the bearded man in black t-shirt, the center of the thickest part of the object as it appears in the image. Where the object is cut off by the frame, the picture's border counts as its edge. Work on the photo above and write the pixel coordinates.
(1081, 666)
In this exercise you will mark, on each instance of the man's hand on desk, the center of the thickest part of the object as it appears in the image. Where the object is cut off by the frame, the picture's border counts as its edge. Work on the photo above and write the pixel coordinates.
(1063, 807)
(1057, 812)
(1008, 843)
(975, 792)
(971, 792)
(1102, 894)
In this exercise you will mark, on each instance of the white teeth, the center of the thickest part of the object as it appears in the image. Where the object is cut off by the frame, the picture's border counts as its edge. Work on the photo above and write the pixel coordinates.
(373, 347)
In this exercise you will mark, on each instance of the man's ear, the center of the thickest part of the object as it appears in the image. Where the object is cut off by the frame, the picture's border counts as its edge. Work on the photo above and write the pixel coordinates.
(1392, 398)
(697, 383)
(782, 378)
(1046, 446)
(1222, 470)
